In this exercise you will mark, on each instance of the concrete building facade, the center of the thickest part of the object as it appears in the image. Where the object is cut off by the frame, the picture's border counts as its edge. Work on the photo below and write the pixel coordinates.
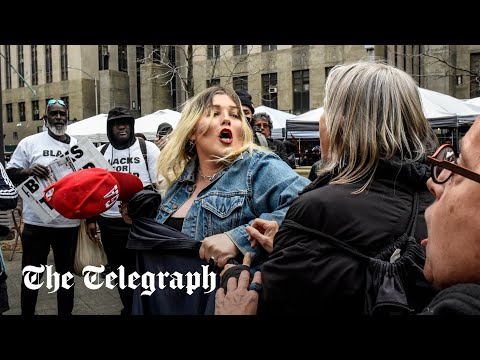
(146, 78)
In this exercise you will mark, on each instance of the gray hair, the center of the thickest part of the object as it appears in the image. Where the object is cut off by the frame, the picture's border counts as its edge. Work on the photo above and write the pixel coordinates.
(373, 112)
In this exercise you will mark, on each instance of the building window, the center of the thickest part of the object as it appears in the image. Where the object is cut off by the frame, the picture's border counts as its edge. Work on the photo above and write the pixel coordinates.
(48, 64)
(474, 68)
(9, 113)
(213, 51)
(20, 67)
(35, 110)
(269, 90)
(15, 135)
(8, 71)
(103, 56)
(64, 62)
(266, 48)
(408, 58)
(122, 58)
(239, 50)
(140, 54)
(327, 71)
(240, 83)
(21, 111)
(301, 91)
(34, 68)
(65, 100)
(213, 82)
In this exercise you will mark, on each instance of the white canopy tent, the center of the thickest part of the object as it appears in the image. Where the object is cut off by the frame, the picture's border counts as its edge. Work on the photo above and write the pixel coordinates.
(279, 119)
(148, 124)
(304, 126)
(447, 111)
(474, 101)
(95, 127)
(440, 109)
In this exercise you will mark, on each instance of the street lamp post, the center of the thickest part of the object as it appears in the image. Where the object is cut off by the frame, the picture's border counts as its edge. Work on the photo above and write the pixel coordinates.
(95, 84)
(371, 52)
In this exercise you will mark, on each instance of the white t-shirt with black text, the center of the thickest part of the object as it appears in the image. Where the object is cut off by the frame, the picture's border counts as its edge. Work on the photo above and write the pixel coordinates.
(131, 161)
(40, 149)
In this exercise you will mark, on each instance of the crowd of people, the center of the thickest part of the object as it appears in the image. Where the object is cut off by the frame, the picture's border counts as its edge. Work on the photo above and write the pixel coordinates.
(385, 225)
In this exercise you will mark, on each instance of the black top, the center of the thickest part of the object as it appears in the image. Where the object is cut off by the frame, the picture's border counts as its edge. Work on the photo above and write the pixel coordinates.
(175, 223)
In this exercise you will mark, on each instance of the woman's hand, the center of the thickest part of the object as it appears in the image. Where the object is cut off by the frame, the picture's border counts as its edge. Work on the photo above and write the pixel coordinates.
(262, 232)
(218, 248)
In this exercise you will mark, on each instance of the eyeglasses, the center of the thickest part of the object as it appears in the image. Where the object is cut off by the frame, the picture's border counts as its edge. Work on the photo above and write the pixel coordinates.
(53, 101)
(444, 165)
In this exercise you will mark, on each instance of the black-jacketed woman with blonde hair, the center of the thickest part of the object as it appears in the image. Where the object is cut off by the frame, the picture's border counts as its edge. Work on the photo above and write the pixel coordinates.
(374, 139)
(217, 180)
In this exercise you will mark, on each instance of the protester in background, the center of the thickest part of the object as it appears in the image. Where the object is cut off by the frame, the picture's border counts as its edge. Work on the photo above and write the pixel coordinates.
(374, 139)
(249, 110)
(163, 130)
(261, 122)
(8, 200)
(292, 152)
(217, 180)
(30, 159)
(124, 153)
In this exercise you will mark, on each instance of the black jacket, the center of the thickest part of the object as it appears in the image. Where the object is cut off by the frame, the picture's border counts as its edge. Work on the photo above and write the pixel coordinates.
(307, 275)
(460, 299)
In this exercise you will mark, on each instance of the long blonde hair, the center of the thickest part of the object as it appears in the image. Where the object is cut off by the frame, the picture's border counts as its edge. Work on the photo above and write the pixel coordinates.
(373, 111)
(175, 155)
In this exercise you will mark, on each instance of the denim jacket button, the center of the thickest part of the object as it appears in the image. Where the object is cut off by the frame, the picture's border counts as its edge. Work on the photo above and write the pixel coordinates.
(190, 188)
(174, 206)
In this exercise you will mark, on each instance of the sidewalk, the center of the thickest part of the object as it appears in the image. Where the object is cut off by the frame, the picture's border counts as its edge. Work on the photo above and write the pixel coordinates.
(87, 302)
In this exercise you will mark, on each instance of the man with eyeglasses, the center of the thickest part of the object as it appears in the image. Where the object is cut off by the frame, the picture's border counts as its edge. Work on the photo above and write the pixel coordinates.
(261, 122)
(30, 158)
(453, 244)
(163, 130)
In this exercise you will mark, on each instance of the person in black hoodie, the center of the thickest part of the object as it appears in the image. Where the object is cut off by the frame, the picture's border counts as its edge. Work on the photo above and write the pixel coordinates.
(125, 155)
(374, 139)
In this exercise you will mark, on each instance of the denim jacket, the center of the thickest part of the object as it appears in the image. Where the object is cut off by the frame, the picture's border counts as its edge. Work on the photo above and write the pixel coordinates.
(258, 185)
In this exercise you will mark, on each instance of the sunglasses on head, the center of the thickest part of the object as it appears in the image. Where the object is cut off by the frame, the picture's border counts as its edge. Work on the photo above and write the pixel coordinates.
(53, 101)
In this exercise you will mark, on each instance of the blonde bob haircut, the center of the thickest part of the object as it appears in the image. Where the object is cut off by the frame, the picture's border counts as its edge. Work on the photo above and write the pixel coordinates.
(175, 155)
(373, 112)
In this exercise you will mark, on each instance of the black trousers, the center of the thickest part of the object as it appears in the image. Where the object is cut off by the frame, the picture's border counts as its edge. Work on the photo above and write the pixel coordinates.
(36, 242)
(114, 233)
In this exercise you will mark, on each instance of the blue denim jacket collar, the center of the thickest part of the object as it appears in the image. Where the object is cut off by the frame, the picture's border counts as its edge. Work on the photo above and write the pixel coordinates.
(192, 166)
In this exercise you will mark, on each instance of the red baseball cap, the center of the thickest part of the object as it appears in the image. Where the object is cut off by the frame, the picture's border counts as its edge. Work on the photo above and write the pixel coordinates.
(89, 192)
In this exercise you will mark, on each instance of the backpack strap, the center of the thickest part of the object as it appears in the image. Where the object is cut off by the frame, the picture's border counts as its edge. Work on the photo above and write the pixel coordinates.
(143, 147)
(104, 148)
